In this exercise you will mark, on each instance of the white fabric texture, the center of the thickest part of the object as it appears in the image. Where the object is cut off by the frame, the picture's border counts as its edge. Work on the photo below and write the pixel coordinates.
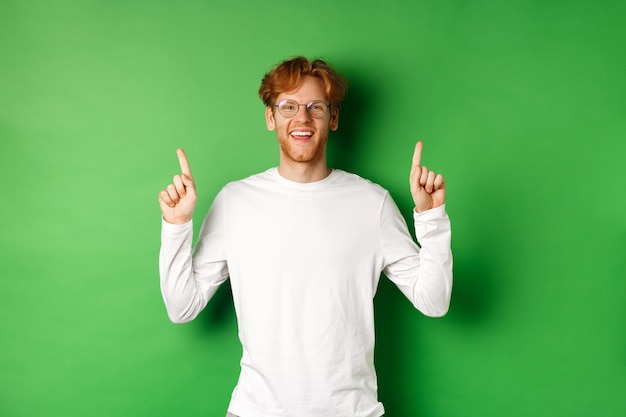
(304, 260)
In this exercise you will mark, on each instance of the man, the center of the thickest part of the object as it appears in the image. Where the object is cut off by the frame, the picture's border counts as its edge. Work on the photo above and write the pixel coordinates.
(304, 246)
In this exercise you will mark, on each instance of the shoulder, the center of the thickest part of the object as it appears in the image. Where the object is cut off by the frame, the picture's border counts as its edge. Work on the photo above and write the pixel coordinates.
(350, 180)
(253, 181)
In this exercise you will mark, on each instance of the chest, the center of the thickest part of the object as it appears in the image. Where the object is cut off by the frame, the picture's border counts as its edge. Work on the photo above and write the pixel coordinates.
(304, 229)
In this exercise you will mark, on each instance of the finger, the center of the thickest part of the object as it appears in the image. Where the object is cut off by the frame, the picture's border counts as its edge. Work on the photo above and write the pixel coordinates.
(417, 154)
(424, 176)
(414, 177)
(171, 191)
(430, 182)
(184, 163)
(188, 181)
(440, 182)
(180, 187)
(165, 198)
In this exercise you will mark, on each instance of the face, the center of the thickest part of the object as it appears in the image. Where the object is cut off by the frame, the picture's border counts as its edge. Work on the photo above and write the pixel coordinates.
(302, 139)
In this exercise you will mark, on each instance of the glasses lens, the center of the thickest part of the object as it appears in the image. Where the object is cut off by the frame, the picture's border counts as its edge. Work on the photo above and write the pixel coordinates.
(288, 108)
(317, 109)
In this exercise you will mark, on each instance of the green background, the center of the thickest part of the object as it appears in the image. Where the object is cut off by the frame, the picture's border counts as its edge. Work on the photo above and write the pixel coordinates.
(520, 104)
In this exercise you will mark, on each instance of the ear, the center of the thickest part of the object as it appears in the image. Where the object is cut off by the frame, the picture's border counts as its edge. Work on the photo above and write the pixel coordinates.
(269, 119)
(333, 124)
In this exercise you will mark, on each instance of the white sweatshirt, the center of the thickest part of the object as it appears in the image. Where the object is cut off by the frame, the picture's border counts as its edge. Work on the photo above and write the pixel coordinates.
(304, 260)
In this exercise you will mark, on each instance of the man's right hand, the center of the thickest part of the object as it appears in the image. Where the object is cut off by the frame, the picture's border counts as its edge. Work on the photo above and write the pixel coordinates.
(178, 200)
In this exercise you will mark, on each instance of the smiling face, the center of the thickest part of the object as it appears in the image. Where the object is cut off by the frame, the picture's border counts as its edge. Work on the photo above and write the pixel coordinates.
(302, 139)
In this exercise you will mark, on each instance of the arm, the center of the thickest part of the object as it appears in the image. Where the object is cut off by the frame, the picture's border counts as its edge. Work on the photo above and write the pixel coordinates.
(424, 276)
(434, 284)
(187, 283)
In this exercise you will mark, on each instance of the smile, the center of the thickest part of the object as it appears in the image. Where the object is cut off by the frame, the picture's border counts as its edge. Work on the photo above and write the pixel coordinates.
(301, 133)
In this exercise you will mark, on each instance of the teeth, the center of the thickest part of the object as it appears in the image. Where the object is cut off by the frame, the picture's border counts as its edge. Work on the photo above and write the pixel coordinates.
(302, 133)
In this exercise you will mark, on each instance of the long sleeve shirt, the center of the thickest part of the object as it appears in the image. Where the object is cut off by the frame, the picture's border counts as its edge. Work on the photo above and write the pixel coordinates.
(304, 260)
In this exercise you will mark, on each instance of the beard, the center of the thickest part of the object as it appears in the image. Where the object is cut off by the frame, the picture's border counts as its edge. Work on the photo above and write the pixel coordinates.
(312, 151)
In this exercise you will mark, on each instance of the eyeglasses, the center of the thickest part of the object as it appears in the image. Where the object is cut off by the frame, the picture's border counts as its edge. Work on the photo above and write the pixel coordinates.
(289, 108)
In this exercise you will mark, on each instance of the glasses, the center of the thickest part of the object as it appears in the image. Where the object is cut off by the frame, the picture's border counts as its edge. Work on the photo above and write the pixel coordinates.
(316, 108)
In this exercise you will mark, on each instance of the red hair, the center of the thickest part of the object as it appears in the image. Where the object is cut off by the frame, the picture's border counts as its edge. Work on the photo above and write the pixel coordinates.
(287, 76)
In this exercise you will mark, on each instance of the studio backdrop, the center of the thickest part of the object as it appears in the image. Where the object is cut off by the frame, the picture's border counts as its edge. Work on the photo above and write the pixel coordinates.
(519, 104)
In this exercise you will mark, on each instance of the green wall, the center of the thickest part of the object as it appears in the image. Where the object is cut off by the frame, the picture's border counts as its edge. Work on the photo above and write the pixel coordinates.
(521, 105)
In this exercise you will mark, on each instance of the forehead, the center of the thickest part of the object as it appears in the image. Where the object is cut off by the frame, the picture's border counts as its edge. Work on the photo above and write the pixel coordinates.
(312, 88)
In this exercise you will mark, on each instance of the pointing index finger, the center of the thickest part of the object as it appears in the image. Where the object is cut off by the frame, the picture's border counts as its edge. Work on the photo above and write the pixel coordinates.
(184, 164)
(417, 155)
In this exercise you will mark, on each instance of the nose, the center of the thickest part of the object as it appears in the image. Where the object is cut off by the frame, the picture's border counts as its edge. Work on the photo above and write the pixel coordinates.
(303, 113)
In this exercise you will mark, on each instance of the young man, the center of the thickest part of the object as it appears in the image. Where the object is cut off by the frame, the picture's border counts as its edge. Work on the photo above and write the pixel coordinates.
(304, 246)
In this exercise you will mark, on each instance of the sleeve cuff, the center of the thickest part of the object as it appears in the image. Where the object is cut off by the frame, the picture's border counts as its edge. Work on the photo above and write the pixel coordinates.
(432, 214)
(175, 229)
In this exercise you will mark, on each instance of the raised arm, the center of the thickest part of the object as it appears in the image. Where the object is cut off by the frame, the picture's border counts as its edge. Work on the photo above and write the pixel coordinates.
(430, 286)
(184, 294)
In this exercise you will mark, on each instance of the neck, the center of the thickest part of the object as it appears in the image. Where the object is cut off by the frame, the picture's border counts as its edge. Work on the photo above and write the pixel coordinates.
(303, 172)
